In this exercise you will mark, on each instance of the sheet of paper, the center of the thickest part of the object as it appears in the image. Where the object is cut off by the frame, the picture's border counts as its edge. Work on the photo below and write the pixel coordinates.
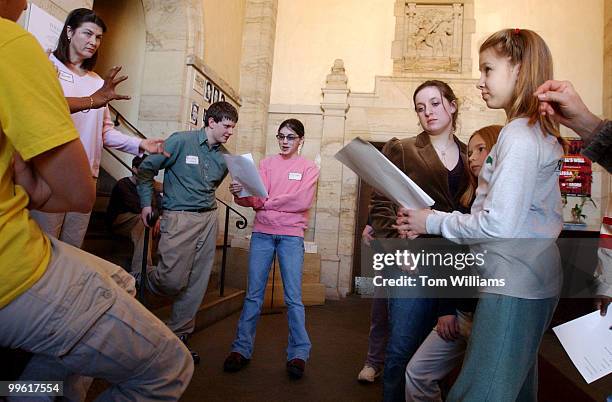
(243, 170)
(45, 27)
(588, 342)
(376, 170)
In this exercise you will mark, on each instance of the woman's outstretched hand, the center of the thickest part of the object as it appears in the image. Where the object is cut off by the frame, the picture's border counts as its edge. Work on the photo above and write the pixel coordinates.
(108, 91)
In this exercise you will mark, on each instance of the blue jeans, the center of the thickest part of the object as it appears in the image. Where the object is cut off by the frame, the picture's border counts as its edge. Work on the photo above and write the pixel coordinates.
(410, 321)
(501, 360)
(290, 252)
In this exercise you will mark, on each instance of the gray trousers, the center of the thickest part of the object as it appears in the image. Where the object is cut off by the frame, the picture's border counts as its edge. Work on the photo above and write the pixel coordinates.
(434, 359)
(81, 317)
(69, 227)
(187, 253)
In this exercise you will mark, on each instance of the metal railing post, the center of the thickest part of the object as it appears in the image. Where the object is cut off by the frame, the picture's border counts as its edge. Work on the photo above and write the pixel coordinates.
(224, 255)
(240, 224)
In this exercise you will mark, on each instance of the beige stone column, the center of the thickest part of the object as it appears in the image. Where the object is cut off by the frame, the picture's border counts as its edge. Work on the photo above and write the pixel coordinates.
(258, 38)
(173, 31)
(327, 228)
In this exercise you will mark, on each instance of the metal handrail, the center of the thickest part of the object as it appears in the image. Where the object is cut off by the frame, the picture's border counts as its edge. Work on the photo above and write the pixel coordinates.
(125, 165)
(240, 223)
(117, 123)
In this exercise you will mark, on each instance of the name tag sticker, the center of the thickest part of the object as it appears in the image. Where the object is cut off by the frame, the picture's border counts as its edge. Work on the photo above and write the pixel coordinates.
(64, 76)
(192, 160)
(295, 176)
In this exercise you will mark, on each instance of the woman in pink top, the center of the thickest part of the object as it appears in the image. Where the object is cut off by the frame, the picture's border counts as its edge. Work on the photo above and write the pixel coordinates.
(280, 222)
(87, 95)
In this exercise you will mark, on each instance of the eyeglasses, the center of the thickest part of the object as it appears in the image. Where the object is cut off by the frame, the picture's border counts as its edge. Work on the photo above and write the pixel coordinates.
(290, 137)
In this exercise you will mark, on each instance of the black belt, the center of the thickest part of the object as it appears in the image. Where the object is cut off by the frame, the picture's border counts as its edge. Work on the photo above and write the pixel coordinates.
(200, 210)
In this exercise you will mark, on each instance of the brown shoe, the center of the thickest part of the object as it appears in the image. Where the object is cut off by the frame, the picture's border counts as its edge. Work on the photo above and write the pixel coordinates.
(295, 368)
(235, 362)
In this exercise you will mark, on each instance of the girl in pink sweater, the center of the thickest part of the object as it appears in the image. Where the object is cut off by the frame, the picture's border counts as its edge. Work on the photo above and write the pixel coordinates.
(280, 221)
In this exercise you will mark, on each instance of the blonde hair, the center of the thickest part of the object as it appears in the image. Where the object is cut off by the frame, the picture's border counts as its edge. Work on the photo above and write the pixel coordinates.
(528, 49)
(489, 134)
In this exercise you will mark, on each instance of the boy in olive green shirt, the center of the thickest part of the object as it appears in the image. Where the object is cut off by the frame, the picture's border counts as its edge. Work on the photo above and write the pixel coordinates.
(188, 228)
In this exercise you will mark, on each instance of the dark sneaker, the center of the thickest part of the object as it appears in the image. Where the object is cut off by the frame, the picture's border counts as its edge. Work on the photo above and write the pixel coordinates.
(194, 355)
(235, 362)
(295, 368)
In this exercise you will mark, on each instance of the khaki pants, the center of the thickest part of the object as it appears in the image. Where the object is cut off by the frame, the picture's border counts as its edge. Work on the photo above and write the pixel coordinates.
(130, 225)
(187, 253)
(435, 358)
(69, 227)
(79, 318)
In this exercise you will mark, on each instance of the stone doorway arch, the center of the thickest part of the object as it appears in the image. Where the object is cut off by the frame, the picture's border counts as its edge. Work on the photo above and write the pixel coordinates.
(174, 30)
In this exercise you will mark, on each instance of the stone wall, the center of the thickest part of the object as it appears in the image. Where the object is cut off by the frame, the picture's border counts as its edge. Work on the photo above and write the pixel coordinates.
(124, 44)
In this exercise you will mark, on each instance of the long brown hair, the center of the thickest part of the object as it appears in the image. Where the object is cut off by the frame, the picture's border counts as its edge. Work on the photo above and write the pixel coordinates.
(489, 134)
(527, 48)
(446, 91)
(75, 19)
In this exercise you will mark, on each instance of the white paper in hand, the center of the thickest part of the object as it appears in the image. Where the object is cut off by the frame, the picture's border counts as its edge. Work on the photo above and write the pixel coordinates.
(376, 170)
(588, 342)
(243, 170)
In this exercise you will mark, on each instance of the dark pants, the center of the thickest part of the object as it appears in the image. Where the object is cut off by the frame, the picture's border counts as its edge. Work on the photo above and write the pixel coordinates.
(410, 321)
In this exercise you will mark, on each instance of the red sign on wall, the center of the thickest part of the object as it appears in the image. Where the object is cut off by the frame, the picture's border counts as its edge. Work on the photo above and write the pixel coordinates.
(576, 174)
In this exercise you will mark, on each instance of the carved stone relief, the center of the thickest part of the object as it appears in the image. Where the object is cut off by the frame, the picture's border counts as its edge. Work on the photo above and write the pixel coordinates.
(430, 43)
(430, 37)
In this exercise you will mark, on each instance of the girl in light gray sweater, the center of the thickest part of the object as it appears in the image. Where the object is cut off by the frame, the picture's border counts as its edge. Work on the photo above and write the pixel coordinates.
(514, 220)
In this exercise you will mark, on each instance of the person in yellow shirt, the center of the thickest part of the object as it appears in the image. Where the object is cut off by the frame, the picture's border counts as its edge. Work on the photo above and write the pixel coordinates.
(71, 309)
